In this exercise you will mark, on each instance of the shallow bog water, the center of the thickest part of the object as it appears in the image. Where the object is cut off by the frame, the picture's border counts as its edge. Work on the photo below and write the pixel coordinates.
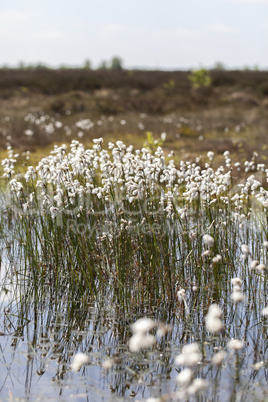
(40, 338)
(43, 328)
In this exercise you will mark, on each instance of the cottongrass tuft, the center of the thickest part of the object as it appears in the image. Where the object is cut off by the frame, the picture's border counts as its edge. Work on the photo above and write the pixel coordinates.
(143, 325)
(197, 385)
(264, 311)
(185, 376)
(254, 264)
(261, 267)
(213, 319)
(141, 341)
(140, 338)
(108, 363)
(217, 259)
(235, 344)
(181, 294)
(257, 366)
(190, 355)
(245, 249)
(208, 240)
(78, 361)
(237, 297)
(236, 282)
(219, 357)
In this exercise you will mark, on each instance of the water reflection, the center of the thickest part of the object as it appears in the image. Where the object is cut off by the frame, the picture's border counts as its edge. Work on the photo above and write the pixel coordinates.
(43, 327)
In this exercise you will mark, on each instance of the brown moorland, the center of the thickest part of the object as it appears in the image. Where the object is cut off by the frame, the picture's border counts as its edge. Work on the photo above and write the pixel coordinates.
(231, 113)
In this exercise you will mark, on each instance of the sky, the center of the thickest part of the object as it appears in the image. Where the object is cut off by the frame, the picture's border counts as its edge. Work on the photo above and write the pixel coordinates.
(151, 34)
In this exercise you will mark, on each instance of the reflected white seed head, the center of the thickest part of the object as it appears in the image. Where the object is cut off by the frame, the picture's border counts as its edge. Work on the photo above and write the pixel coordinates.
(236, 282)
(79, 360)
(214, 311)
(237, 297)
(143, 325)
(141, 341)
(163, 330)
(107, 364)
(181, 294)
(213, 319)
(245, 249)
(197, 385)
(214, 324)
(264, 311)
(254, 264)
(235, 344)
(185, 376)
(219, 357)
(257, 366)
(190, 355)
(236, 288)
(261, 267)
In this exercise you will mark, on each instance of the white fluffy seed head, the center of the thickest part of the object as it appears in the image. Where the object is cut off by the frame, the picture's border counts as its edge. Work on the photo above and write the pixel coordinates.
(107, 364)
(78, 361)
(208, 240)
(219, 357)
(181, 294)
(257, 366)
(190, 355)
(213, 318)
(185, 376)
(254, 264)
(191, 348)
(143, 325)
(217, 259)
(215, 310)
(141, 341)
(236, 282)
(214, 324)
(235, 344)
(198, 384)
(237, 297)
(261, 267)
(264, 311)
(245, 249)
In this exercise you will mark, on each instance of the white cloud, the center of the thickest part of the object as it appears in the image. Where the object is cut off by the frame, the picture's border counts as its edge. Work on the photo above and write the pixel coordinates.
(112, 28)
(12, 17)
(221, 28)
(50, 35)
(175, 33)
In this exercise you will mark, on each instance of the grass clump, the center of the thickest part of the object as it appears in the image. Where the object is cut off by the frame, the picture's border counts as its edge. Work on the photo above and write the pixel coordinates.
(130, 219)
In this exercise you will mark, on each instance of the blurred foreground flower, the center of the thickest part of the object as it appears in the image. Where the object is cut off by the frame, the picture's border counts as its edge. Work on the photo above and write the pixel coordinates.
(78, 361)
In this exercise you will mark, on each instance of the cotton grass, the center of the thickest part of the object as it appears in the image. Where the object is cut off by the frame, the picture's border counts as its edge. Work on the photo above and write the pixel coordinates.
(154, 237)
